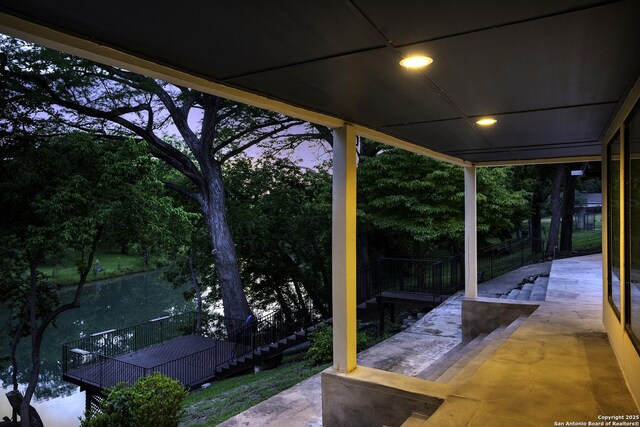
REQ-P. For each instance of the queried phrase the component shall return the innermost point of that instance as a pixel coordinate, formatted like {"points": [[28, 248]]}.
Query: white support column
{"points": [[343, 249], [470, 233]]}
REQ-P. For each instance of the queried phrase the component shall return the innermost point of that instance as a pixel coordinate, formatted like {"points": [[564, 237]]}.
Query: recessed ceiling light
{"points": [[486, 122], [416, 61]]}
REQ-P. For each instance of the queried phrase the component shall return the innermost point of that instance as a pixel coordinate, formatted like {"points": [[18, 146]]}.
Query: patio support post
{"points": [[470, 233], [344, 249]]}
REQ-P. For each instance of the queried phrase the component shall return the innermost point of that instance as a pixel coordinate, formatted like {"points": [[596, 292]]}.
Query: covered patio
{"points": [[556, 366], [556, 81]]}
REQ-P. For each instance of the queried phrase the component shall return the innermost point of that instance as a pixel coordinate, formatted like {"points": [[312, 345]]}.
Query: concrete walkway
{"points": [[408, 352], [557, 367]]}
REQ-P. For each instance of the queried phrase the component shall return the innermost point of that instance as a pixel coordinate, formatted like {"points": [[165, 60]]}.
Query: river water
{"points": [[110, 304]]}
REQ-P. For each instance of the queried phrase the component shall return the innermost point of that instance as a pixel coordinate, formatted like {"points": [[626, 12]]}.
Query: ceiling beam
{"points": [[399, 143], [78, 46], [550, 161]]}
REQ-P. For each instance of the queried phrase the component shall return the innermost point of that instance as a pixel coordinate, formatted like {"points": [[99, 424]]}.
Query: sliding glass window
{"points": [[613, 192], [632, 290]]}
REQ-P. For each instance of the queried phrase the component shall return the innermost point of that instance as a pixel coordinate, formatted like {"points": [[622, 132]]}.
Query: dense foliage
{"points": [[212, 130], [153, 401], [280, 215], [65, 195], [411, 204]]}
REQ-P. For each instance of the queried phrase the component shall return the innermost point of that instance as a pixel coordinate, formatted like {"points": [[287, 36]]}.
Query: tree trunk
{"points": [[36, 341], [556, 210], [288, 315], [224, 251], [301, 303], [29, 416], [14, 363], [198, 290], [536, 220], [568, 206]]}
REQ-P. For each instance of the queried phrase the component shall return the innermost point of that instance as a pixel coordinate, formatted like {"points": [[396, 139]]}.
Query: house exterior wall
{"points": [[626, 352]]}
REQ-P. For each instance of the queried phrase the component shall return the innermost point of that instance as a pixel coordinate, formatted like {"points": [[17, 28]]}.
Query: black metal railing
{"points": [[115, 342], [443, 276], [508, 255], [94, 359], [432, 276]]}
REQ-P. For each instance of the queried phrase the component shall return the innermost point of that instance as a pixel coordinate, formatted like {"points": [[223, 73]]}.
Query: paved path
{"points": [[408, 352], [557, 367]]}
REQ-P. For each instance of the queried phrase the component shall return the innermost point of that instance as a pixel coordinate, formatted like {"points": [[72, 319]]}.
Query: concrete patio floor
{"points": [[557, 367]]}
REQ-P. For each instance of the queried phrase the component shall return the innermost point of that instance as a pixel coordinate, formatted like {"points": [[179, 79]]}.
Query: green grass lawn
{"points": [[114, 264], [228, 398], [583, 240]]}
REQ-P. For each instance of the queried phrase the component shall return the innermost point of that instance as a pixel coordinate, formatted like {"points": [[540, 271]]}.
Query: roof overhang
{"points": [[554, 73]]}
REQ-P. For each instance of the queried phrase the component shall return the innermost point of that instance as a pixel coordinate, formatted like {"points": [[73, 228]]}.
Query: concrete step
{"points": [[514, 294], [462, 363], [539, 292], [436, 369], [525, 292], [496, 341], [433, 371], [415, 420]]}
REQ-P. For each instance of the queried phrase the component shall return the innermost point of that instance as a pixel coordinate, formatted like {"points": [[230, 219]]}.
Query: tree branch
{"points": [[184, 191], [255, 141], [164, 151]]}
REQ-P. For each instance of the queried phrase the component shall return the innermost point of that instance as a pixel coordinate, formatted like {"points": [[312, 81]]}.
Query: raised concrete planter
{"points": [[370, 397], [484, 315]]}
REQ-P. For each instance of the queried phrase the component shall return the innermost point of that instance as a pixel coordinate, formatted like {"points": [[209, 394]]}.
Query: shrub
{"points": [[153, 401], [321, 349]]}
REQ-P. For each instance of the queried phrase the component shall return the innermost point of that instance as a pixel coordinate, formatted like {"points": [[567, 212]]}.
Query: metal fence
{"points": [[508, 255], [106, 346], [116, 342], [95, 359], [434, 276], [442, 276]]}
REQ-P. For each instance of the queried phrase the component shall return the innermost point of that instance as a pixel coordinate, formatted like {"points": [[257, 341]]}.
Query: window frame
{"points": [[616, 136], [626, 292]]}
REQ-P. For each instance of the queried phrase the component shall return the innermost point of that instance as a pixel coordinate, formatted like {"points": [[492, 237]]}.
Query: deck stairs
{"points": [[251, 359]]}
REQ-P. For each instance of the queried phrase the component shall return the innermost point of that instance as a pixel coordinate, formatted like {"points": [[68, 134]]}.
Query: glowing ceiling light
{"points": [[416, 61], [486, 122]]}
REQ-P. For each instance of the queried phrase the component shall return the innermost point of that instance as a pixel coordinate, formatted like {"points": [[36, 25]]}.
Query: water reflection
{"points": [[114, 303]]}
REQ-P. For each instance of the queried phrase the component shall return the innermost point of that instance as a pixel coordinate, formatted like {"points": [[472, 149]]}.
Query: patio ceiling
{"points": [[552, 72]]}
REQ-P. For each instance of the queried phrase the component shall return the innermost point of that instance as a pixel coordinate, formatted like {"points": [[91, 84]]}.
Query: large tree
{"points": [[281, 218], [413, 204], [555, 201], [568, 208], [211, 130], [59, 195]]}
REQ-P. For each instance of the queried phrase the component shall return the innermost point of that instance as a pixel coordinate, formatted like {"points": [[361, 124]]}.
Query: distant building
{"points": [[587, 207]]}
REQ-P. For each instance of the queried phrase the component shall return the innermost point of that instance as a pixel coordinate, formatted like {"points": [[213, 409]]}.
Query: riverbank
{"points": [[106, 304], [108, 264]]}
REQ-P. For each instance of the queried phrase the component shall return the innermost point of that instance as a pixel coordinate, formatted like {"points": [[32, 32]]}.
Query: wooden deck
{"points": [[190, 359], [399, 297]]}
